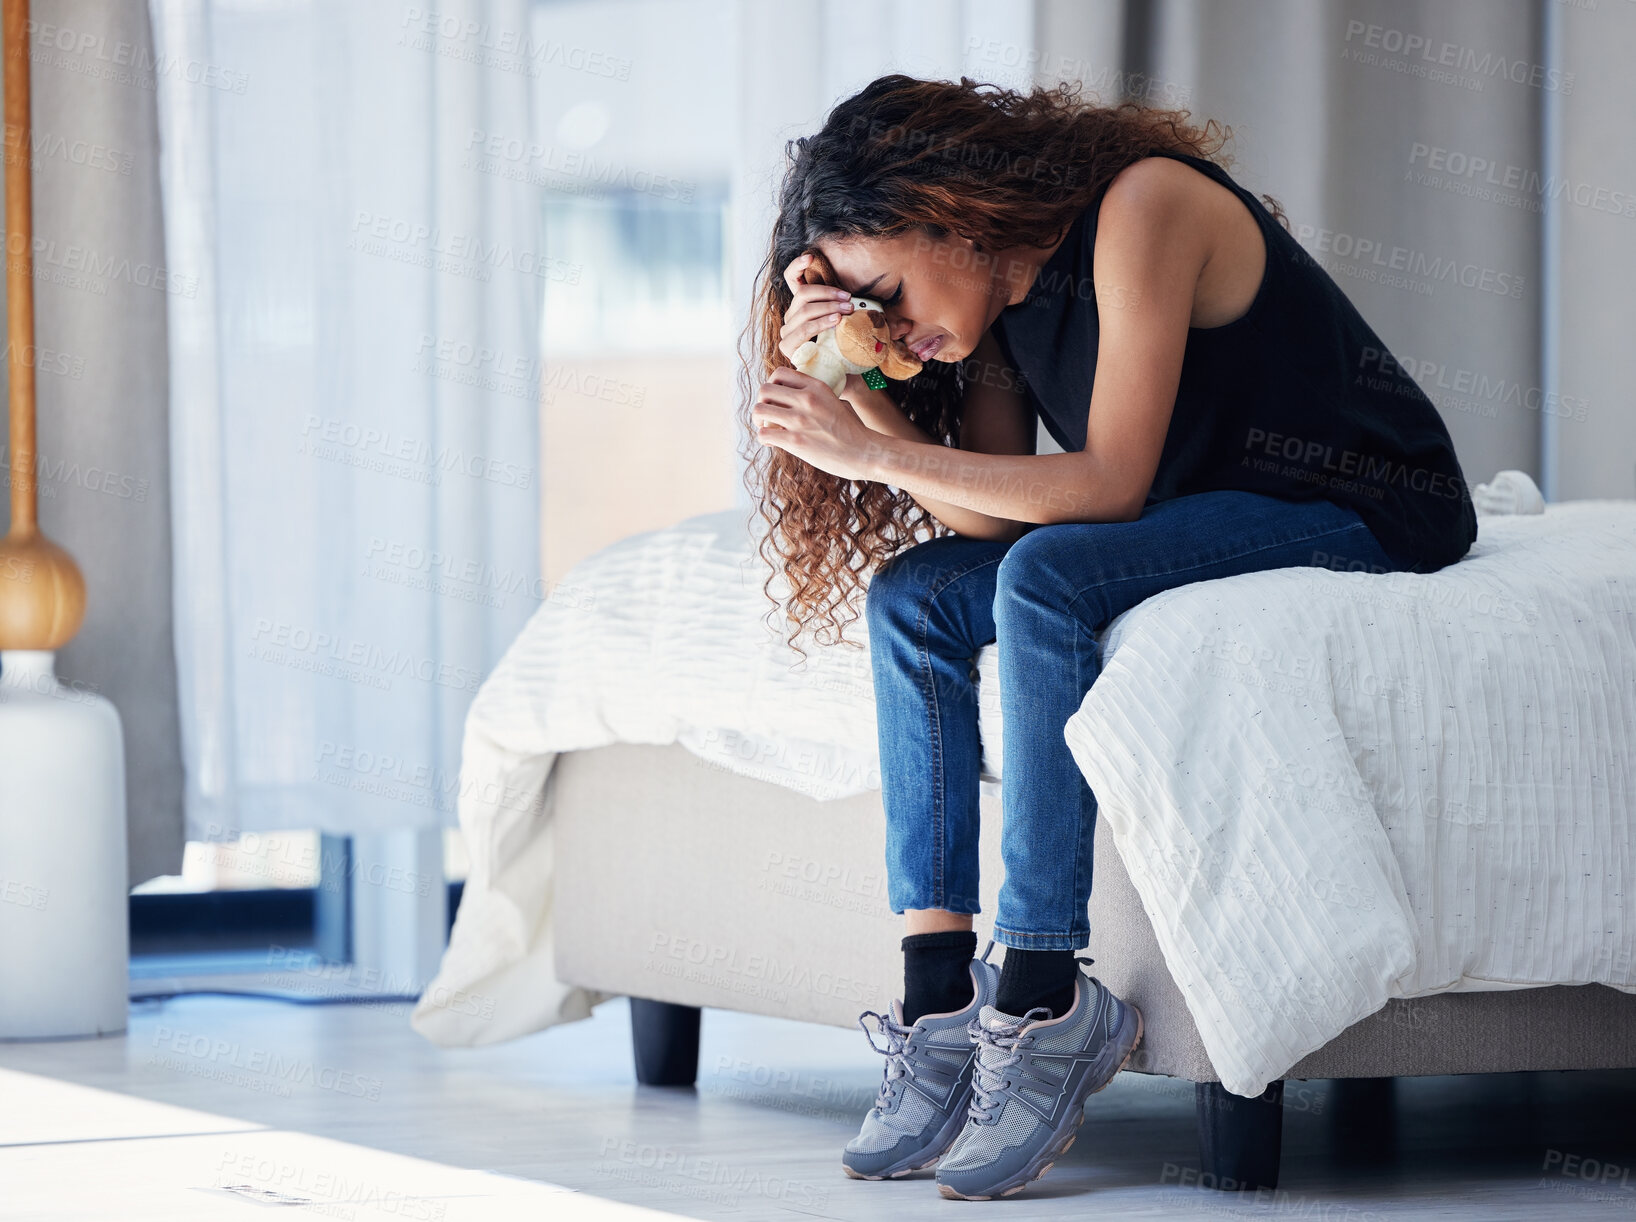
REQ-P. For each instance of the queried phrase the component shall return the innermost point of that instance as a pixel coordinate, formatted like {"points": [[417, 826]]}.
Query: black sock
{"points": [[937, 972], [1030, 978]]}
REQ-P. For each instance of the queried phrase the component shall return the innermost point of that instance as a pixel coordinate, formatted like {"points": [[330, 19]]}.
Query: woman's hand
{"points": [[815, 309], [801, 415]]}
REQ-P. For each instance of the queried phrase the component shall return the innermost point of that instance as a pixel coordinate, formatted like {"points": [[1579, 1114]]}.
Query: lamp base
{"points": [[64, 895]]}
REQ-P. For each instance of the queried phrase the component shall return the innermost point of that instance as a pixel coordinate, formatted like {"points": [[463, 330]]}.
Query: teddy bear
{"points": [[859, 343]]}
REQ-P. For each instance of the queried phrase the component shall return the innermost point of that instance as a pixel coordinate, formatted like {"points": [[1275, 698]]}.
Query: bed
{"points": [[1351, 825]]}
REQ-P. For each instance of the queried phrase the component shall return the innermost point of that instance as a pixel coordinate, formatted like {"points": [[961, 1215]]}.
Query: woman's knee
{"points": [[910, 579], [894, 586], [1049, 564]]}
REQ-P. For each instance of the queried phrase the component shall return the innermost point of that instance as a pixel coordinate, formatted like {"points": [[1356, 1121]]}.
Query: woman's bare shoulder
{"points": [[1163, 216], [1161, 188]]}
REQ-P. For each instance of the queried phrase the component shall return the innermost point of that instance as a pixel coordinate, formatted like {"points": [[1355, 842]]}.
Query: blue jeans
{"points": [[1045, 599]]}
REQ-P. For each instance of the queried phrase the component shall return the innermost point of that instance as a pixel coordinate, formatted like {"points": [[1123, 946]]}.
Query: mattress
{"points": [[1328, 788], [1332, 789]]}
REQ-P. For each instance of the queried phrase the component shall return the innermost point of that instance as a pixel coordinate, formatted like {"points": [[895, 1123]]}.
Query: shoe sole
{"points": [[892, 1175], [950, 1131], [1055, 1149]]}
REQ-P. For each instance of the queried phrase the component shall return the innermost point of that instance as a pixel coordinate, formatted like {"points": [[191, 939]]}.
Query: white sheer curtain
{"points": [[787, 65], [354, 391]]}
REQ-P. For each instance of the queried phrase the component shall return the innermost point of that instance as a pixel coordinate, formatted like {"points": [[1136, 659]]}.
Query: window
{"points": [[638, 343]]}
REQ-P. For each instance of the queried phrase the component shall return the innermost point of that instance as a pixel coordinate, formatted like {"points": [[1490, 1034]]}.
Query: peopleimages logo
{"points": [[1490, 179], [532, 161], [1403, 266], [249, 1063], [1439, 60], [1321, 456], [754, 973], [1484, 389], [466, 37], [124, 62]]}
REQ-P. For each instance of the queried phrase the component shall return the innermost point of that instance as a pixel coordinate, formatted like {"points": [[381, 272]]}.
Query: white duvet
{"points": [[1329, 789]]}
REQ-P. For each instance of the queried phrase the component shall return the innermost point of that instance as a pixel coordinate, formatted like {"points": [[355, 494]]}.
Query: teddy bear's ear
{"points": [[818, 271]]}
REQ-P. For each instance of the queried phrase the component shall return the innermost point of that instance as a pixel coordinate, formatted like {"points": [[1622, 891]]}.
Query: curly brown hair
{"points": [[993, 164]]}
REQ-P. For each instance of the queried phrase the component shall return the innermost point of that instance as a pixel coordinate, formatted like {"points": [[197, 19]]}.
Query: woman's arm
{"points": [[1155, 235], [1150, 251], [995, 419]]}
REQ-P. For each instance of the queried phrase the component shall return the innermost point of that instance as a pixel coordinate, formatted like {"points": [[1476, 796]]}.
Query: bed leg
{"points": [[1363, 1120], [1239, 1138], [665, 1041]]}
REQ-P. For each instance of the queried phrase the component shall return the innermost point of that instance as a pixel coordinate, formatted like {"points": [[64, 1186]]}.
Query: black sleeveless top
{"points": [[1298, 398]]}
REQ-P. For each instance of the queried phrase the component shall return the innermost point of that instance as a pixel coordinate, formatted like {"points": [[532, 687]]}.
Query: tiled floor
{"points": [[216, 1108]]}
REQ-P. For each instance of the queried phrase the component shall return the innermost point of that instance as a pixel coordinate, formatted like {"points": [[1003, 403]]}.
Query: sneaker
{"points": [[926, 1086], [1029, 1087]]}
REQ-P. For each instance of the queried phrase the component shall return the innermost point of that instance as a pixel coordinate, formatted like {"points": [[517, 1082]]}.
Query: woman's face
{"points": [[939, 294]]}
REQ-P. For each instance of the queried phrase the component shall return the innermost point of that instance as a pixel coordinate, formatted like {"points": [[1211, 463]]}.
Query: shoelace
{"points": [[989, 1085], [895, 1052]]}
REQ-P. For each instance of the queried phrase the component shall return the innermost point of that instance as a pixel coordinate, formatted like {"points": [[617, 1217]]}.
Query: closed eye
{"points": [[897, 295]]}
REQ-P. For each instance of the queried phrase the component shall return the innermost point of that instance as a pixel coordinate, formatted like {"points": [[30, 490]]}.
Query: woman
{"points": [[1222, 408]]}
